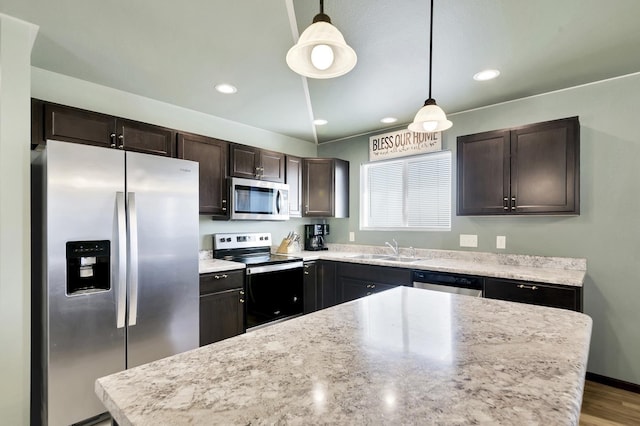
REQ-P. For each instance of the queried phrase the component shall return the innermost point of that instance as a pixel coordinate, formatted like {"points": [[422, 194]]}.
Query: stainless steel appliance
{"points": [[258, 200], [114, 270], [314, 236], [273, 284], [448, 283]]}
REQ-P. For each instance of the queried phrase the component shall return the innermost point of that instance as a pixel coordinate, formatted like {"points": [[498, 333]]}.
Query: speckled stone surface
{"points": [[218, 265], [404, 356], [551, 270]]}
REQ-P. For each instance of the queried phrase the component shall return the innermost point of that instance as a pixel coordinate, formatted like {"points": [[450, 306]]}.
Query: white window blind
{"points": [[410, 193]]}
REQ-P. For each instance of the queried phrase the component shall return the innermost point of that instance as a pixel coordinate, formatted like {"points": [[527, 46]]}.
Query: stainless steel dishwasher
{"points": [[448, 283]]}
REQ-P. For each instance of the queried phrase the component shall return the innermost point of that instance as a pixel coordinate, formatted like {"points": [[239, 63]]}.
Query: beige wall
{"points": [[16, 41]]}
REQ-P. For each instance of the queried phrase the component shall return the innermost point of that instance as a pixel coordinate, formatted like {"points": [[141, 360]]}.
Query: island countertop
{"points": [[403, 356]]}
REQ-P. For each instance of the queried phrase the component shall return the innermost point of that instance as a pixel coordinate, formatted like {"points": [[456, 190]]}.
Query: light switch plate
{"points": [[468, 240], [501, 242], [352, 236]]}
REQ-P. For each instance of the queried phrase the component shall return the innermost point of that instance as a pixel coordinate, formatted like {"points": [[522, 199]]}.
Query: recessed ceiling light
{"points": [[225, 88], [387, 120], [320, 122], [486, 75]]}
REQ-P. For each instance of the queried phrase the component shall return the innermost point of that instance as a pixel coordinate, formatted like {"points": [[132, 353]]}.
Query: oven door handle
{"points": [[273, 268]]}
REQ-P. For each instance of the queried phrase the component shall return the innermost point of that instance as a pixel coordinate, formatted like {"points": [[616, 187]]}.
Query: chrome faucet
{"points": [[393, 247]]}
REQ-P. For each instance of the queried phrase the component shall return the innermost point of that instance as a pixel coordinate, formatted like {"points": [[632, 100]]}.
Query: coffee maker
{"points": [[314, 236]]}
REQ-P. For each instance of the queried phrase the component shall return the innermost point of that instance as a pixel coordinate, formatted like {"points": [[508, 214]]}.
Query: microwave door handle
{"points": [[279, 202]]}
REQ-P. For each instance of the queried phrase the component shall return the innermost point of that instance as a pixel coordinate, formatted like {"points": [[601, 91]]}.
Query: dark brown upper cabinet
{"points": [[91, 128], [293, 178], [37, 123], [254, 163], [529, 170], [213, 157], [325, 187]]}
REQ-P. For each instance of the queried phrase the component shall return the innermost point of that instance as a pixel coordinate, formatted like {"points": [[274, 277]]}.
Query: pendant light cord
{"points": [[430, 46], [321, 6]]}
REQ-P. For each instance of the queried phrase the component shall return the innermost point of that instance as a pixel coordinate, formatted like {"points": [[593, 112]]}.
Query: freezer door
{"points": [[83, 342], [162, 197]]}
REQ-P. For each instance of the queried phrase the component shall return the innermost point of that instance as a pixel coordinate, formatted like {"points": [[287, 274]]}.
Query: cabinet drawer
{"points": [[354, 289], [221, 281], [555, 296]]}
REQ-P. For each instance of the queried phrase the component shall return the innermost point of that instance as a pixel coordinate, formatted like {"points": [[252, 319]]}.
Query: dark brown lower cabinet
{"points": [[352, 289], [221, 306], [310, 291], [555, 296], [319, 289], [357, 280]]}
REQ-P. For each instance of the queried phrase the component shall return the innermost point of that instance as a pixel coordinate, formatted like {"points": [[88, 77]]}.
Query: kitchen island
{"points": [[403, 356]]}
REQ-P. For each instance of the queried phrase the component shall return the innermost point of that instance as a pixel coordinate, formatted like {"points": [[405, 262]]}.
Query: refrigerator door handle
{"points": [[133, 258], [121, 289]]}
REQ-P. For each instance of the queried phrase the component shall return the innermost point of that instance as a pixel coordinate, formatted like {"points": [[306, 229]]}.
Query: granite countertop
{"points": [[206, 266], [403, 356], [543, 269], [551, 270]]}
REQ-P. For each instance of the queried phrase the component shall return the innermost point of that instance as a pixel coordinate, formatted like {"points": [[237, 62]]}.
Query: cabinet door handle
{"points": [[112, 137], [121, 139], [513, 203], [241, 300], [505, 201], [220, 277], [242, 292], [306, 272], [528, 287]]}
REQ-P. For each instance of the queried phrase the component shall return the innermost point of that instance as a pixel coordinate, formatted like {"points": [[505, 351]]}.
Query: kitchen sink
{"points": [[371, 256], [402, 259], [386, 257]]}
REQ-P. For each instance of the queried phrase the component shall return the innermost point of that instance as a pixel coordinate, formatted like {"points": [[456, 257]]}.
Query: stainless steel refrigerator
{"points": [[114, 270]]}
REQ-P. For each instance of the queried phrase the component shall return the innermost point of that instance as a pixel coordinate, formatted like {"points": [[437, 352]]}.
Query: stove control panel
{"points": [[241, 240]]}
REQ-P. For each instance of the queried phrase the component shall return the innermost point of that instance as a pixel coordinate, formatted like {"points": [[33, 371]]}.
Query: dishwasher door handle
{"points": [[451, 289]]}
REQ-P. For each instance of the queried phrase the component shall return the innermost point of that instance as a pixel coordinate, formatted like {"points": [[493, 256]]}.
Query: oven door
{"points": [[274, 292]]}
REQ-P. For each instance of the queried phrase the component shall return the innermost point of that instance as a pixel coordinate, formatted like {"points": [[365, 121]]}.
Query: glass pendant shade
{"points": [[316, 63], [430, 118]]}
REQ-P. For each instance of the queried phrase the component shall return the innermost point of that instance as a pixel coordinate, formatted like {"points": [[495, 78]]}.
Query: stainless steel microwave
{"points": [[258, 200]]}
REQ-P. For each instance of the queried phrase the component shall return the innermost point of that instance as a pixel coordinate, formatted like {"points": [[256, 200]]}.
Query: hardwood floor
{"points": [[604, 405]]}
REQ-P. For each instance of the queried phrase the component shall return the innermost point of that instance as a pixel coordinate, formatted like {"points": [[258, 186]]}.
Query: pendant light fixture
{"points": [[321, 51], [430, 118]]}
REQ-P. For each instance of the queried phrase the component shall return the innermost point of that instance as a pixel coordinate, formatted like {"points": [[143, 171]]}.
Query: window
{"points": [[411, 193]]}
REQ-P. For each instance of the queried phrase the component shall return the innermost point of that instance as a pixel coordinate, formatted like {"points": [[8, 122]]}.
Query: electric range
{"points": [[273, 282]]}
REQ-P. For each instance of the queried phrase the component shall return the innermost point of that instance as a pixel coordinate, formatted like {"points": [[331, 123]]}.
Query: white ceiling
{"points": [[176, 51]]}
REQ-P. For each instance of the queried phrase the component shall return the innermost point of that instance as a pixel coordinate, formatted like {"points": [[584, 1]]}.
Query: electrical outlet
{"points": [[467, 240], [352, 236], [501, 242]]}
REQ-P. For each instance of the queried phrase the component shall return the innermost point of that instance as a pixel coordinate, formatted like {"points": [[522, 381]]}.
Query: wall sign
{"points": [[402, 143]]}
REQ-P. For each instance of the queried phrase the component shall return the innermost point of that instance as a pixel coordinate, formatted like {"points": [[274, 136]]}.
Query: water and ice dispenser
{"points": [[88, 266]]}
